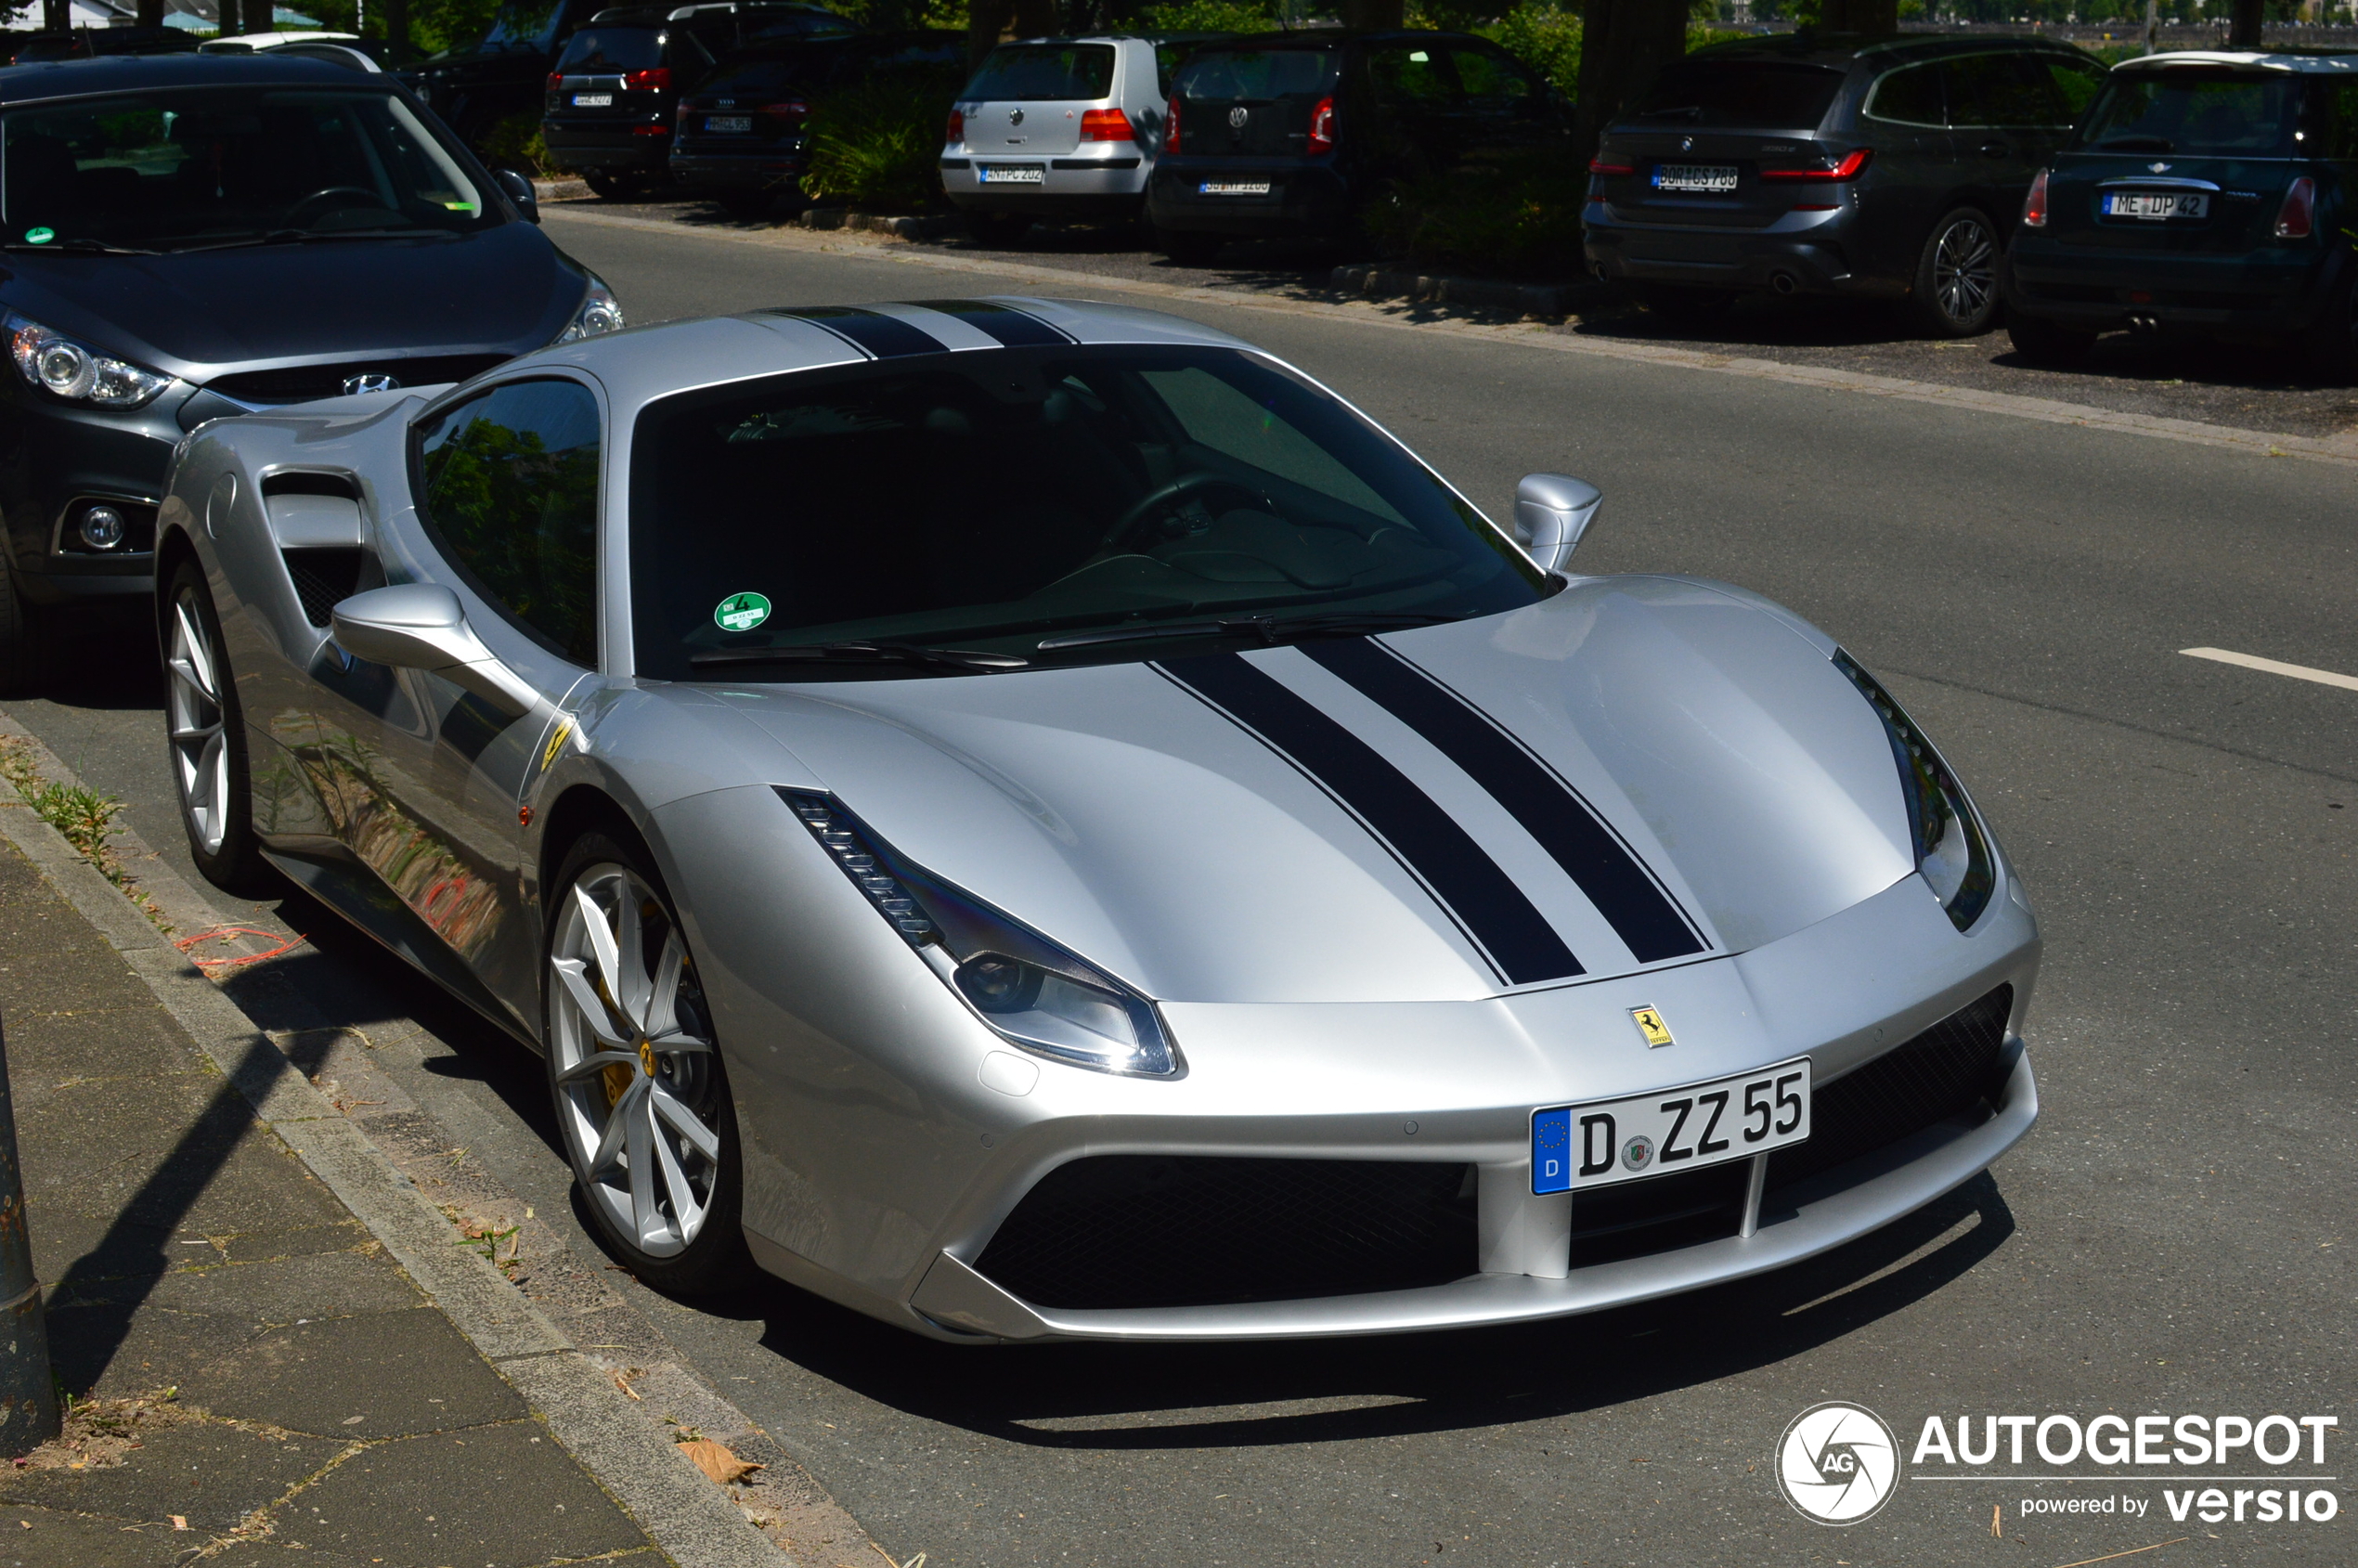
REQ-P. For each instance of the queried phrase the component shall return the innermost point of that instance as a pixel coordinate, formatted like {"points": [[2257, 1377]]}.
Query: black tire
{"points": [[1190, 249], [2045, 344], [1673, 302], [1956, 292], [609, 188], [24, 648], [997, 230], [683, 1258], [205, 739], [2332, 348]]}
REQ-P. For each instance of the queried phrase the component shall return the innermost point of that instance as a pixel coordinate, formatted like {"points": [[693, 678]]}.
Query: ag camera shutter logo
{"points": [[1837, 1463]]}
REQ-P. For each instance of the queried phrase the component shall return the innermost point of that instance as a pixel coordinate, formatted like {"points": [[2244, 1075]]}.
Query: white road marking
{"points": [[2274, 667]]}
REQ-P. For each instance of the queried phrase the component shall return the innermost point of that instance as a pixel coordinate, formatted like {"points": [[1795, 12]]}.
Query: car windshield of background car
{"points": [[2193, 113], [1043, 73], [1257, 75], [610, 51], [215, 167], [1765, 94], [527, 25], [785, 68], [1022, 493]]}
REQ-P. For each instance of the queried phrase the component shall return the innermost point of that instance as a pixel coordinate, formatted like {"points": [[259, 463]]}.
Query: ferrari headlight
{"points": [[58, 365], [599, 315], [1952, 850], [1031, 992]]}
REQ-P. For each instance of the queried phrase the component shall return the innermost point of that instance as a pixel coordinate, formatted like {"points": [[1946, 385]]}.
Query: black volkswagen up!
{"points": [[2203, 194], [1820, 164]]}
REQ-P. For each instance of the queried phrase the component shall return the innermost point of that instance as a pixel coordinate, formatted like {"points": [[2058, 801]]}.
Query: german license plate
{"points": [[593, 100], [2157, 204], [728, 125], [1684, 1129], [1019, 174], [1233, 188], [1715, 178]]}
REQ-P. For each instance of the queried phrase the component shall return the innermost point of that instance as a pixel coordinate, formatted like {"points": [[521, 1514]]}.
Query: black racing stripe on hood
{"points": [[1012, 328], [1468, 884], [1625, 892], [886, 337]]}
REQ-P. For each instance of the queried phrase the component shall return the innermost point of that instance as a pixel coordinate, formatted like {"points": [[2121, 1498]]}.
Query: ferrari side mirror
{"points": [[421, 625], [1552, 512]]}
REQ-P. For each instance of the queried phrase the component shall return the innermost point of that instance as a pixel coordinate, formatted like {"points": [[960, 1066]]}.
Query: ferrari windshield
{"points": [[1037, 506], [213, 167]]}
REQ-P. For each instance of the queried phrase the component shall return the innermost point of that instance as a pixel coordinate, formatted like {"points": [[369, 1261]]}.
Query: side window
{"points": [[1911, 96], [511, 494], [2076, 83], [2000, 91], [1410, 78], [1492, 80]]}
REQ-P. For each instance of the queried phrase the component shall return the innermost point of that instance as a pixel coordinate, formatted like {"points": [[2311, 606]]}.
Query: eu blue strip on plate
{"points": [[1551, 1151]]}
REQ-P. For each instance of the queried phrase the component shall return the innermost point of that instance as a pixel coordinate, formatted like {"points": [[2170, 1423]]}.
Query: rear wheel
{"points": [[1673, 303], [641, 1097], [2046, 344], [997, 230], [1190, 249], [207, 736], [609, 187], [1957, 276]]}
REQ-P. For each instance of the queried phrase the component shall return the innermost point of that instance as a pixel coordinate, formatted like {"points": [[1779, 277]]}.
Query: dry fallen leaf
{"points": [[715, 1461], [179, 1521]]}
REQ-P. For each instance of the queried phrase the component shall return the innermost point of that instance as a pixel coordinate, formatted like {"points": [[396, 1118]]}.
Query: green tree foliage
{"points": [[1210, 16], [1546, 38], [524, 521]]}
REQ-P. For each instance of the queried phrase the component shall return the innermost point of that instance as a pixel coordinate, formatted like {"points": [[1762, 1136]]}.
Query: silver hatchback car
{"points": [[1060, 128]]}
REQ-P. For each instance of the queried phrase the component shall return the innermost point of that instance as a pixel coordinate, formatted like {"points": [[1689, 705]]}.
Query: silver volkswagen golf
{"points": [[1037, 820]]}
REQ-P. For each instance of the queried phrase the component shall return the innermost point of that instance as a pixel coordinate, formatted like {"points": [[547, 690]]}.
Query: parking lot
{"points": [[2173, 1238]]}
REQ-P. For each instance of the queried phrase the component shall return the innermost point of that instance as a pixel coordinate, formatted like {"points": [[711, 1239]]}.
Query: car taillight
{"points": [[956, 130], [1850, 168], [1171, 127], [795, 108], [655, 81], [2297, 218], [1105, 125], [2034, 206], [556, 79], [1322, 127], [1599, 166]]}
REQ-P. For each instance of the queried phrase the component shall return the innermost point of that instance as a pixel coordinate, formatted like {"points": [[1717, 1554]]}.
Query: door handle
{"points": [[1994, 150]]}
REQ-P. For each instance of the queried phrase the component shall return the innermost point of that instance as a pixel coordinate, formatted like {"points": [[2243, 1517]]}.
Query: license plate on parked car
{"points": [[1015, 175], [2157, 204], [725, 124], [1233, 188], [593, 100], [1712, 178], [1672, 1129]]}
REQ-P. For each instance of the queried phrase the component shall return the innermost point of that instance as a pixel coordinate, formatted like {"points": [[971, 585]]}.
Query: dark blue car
{"points": [[191, 237], [2203, 194]]}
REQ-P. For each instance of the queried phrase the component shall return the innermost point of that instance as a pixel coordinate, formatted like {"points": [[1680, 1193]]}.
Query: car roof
{"points": [[2250, 60], [1331, 38], [129, 73], [1809, 48], [265, 40]]}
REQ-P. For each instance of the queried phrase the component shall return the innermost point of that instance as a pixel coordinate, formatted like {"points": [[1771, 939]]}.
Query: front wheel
{"points": [[207, 736], [22, 648], [1957, 276], [2046, 344], [641, 1097]]}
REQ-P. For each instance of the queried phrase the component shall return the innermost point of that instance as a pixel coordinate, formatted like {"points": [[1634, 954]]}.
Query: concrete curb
{"points": [[691, 1519], [1545, 301], [933, 226]]}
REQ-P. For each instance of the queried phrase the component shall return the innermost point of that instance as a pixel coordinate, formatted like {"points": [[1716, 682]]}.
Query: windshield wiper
{"points": [[1272, 629], [82, 248], [311, 237], [965, 660]]}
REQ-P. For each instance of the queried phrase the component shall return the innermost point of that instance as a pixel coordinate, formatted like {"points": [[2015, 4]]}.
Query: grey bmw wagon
{"points": [[1804, 164]]}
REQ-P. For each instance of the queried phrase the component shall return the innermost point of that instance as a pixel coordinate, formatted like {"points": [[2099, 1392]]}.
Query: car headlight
{"points": [[59, 365], [1952, 850], [599, 315], [1031, 992]]}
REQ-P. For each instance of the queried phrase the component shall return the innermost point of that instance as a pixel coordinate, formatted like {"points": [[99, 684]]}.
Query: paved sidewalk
{"points": [[255, 1379]]}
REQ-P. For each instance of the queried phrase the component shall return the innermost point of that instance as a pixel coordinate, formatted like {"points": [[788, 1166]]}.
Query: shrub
{"points": [[878, 144], [1212, 16], [1544, 38], [1518, 214], [515, 143]]}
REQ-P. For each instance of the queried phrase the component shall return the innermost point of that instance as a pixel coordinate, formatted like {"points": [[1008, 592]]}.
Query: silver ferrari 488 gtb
{"points": [[1037, 820]]}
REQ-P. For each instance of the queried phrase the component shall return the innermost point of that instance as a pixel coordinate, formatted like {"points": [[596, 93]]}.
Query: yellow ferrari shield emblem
{"points": [[1650, 1024]]}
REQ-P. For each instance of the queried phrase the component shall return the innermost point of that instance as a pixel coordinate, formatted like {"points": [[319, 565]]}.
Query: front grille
{"points": [[1125, 1230], [304, 383], [323, 578], [1658, 1213], [1944, 1071]]}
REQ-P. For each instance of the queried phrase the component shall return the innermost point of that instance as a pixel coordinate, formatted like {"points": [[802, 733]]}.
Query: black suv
{"points": [[1820, 164], [2203, 194], [1292, 133]]}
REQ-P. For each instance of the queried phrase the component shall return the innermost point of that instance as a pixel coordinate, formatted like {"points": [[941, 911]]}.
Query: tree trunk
{"points": [[55, 15], [1622, 44], [230, 27], [1872, 19], [1374, 15], [150, 13], [1035, 18], [397, 14], [985, 20], [2245, 32]]}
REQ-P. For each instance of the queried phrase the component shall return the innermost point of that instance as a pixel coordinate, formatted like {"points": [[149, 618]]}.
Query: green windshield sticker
{"points": [[39, 236], [741, 612]]}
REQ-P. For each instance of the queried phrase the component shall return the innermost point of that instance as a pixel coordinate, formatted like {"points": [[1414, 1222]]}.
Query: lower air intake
{"points": [[1123, 1230], [1948, 1070]]}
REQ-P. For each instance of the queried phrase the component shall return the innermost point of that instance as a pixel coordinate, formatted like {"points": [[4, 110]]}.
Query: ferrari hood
{"points": [[1639, 771]]}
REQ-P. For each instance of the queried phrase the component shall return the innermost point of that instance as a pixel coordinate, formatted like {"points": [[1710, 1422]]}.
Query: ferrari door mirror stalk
{"points": [[421, 625], [1552, 512]]}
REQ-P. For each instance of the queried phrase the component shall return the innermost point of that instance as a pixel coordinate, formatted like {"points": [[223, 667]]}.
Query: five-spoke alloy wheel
{"points": [[207, 737]]}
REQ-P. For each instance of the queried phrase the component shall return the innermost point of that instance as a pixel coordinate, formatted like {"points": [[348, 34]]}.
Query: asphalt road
{"points": [[2174, 1237]]}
